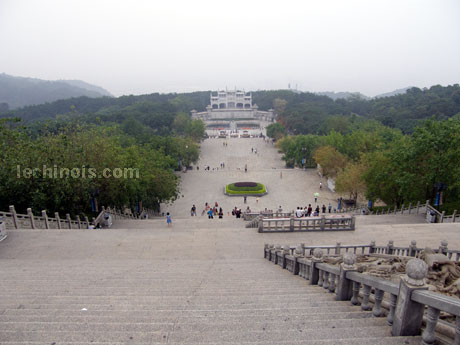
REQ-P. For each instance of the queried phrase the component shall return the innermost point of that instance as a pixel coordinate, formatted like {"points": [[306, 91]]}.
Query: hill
{"points": [[394, 93], [345, 95], [19, 92]]}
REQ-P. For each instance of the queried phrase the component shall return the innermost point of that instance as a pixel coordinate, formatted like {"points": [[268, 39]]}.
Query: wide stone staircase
{"points": [[199, 282]]}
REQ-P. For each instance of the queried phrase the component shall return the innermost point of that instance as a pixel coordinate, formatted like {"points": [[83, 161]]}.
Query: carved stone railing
{"points": [[432, 215], [411, 250], [13, 220], [404, 304], [323, 223]]}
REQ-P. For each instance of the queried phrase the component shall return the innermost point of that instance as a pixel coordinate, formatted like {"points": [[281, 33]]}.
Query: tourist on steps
{"points": [[168, 220]]}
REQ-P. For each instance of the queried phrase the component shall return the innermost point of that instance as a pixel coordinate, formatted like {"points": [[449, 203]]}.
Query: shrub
{"points": [[245, 188]]}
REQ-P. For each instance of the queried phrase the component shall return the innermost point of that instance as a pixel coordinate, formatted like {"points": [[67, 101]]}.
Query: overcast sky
{"points": [[136, 47]]}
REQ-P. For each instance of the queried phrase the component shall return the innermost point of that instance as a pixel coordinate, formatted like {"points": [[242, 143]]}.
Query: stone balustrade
{"points": [[323, 223], [404, 304], [14, 220]]}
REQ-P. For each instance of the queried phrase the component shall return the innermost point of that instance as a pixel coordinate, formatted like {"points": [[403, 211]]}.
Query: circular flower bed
{"points": [[245, 188]]}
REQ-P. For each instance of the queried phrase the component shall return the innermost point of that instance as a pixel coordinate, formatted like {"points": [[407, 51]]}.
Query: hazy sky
{"points": [[135, 47]]}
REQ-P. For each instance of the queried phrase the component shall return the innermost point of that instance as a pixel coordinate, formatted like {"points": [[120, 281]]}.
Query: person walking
{"points": [[193, 211], [324, 208], [329, 208], [168, 220]]}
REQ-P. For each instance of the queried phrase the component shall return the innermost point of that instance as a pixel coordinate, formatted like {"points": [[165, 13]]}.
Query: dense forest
{"points": [[121, 156]]}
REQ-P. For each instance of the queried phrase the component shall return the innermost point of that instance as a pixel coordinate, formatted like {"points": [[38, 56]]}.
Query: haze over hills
{"points": [[19, 91]]}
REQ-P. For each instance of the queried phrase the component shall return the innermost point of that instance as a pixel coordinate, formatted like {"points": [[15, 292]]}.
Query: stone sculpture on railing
{"points": [[408, 297]]}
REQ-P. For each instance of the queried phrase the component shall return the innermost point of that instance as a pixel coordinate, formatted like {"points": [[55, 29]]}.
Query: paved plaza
{"points": [[295, 188]]}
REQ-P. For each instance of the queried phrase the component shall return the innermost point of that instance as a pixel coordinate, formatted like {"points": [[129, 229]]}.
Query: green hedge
{"points": [[232, 189]]}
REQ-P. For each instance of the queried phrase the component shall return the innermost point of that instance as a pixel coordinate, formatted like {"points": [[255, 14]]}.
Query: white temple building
{"points": [[232, 105]]}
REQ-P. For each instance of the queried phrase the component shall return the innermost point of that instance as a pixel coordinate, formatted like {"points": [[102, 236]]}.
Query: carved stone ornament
{"points": [[416, 271]]}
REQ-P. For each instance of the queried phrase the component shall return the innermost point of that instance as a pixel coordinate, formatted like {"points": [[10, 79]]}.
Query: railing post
{"points": [[412, 248], [353, 222], [68, 220], [408, 316], [31, 217], [298, 253], [260, 225], [291, 224], [410, 207], [390, 247], [286, 251], [395, 210], [443, 247], [337, 248], [454, 215], [87, 222], [58, 219], [15, 216], [314, 272], [344, 285], [372, 247], [418, 206], [443, 214], [45, 218], [79, 221], [323, 222], [402, 208]]}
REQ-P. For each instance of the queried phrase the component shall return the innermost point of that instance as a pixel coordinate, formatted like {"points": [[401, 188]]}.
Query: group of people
{"points": [[309, 211], [210, 211]]}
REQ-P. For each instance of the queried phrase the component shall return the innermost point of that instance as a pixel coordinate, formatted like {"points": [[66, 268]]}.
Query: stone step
{"points": [[281, 312], [350, 341], [128, 326], [236, 336], [146, 316], [128, 305]]}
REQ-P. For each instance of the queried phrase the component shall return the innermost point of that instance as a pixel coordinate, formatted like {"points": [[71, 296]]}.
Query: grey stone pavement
{"points": [[295, 188]]}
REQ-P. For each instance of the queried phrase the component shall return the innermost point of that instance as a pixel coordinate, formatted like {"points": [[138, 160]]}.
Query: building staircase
{"points": [[198, 282]]}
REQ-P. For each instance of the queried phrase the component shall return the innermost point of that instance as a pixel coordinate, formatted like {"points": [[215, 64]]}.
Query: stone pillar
{"points": [[345, 286], [418, 206], [45, 218], [443, 247], [68, 220], [390, 246], [322, 225], [410, 207], [408, 316], [31, 217], [337, 248], [58, 219], [412, 248], [79, 222], [297, 255], [87, 222], [291, 224], [372, 247], [314, 272], [454, 215], [15, 217], [286, 252]]}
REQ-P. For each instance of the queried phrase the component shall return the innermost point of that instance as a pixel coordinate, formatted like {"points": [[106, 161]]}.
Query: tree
{"points": [[330, 160], [279, 105], [276, 131], [350, 180]]}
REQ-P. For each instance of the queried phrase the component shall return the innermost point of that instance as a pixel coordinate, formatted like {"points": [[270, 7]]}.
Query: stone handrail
{"points": [[323, 223], [13, 220], [406, 302], [412, 250], [401, 210]]}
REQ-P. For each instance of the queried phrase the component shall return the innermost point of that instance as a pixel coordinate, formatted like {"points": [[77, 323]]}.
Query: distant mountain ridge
{"points": [[394, 93], [19, 91], [345, 95]]}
